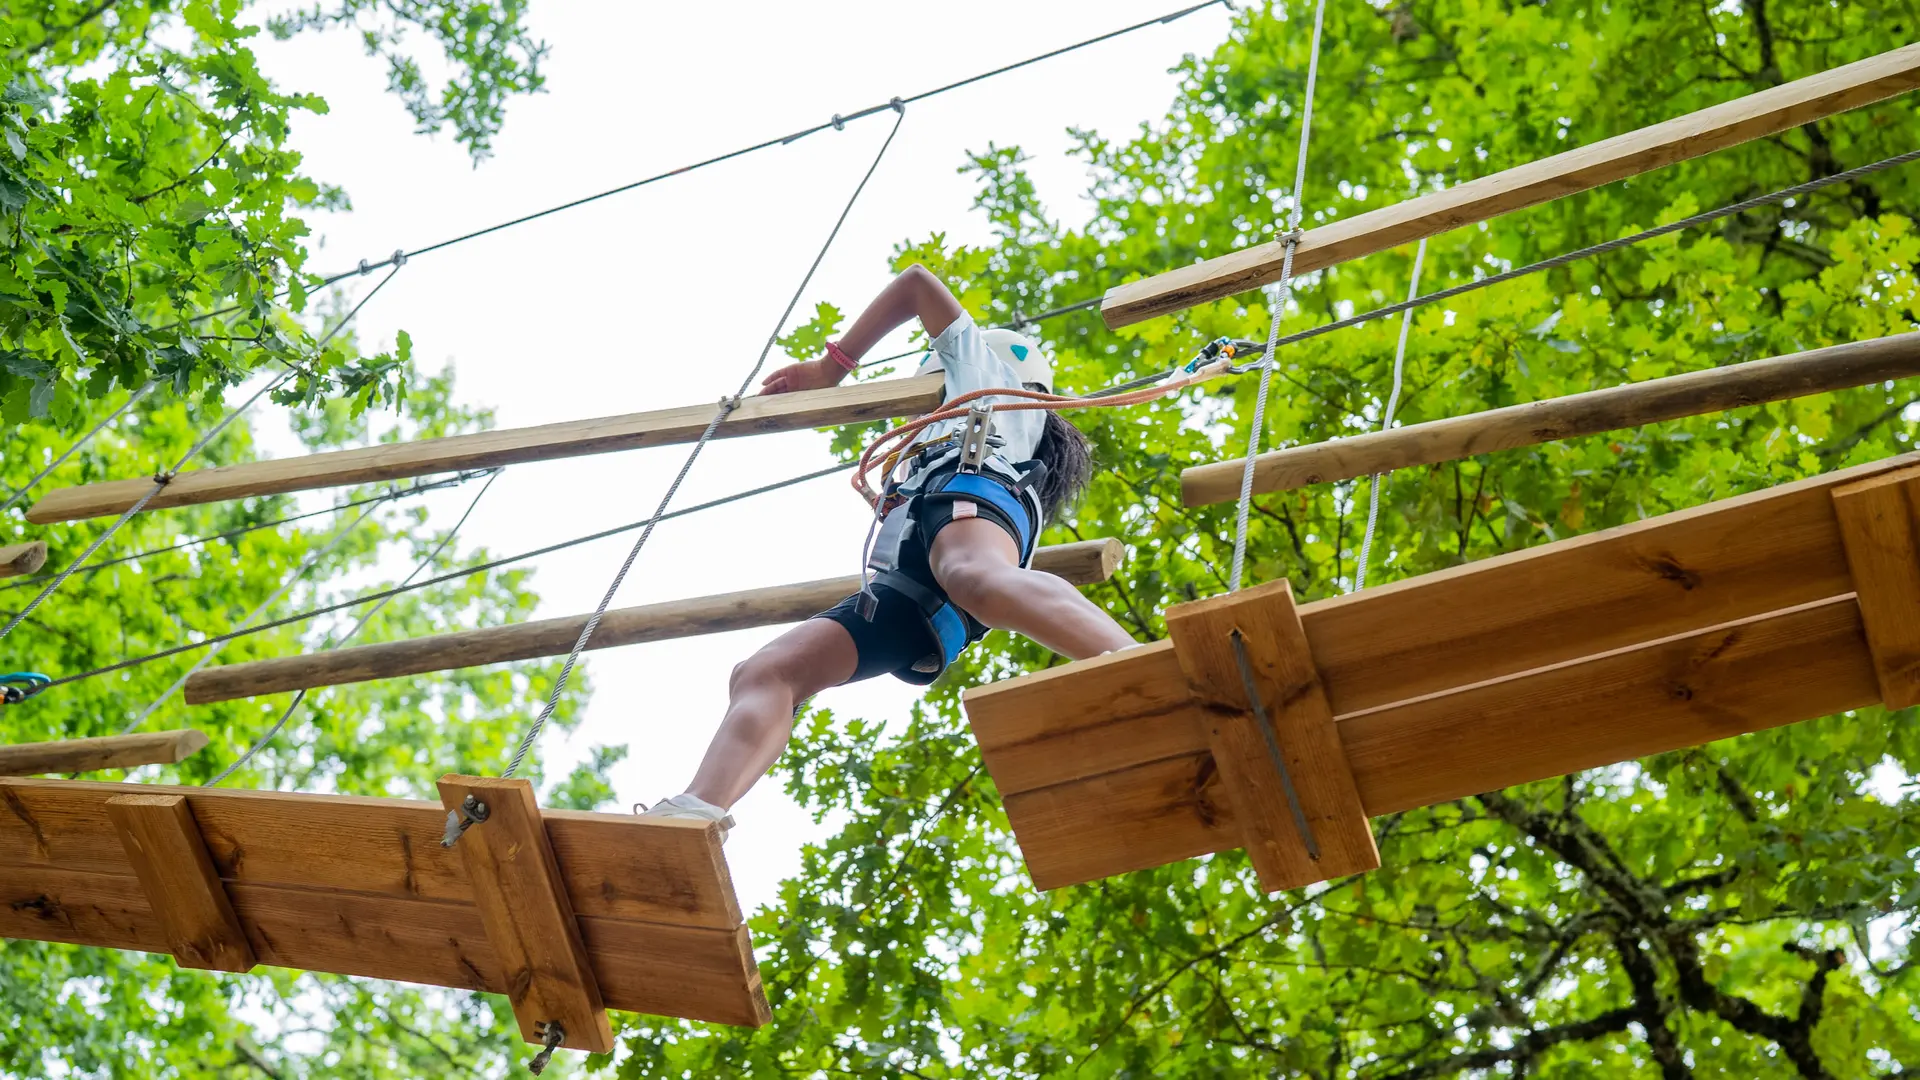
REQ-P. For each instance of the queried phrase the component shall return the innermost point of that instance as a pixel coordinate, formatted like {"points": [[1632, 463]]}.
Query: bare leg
{"points": [[977, 564], [764, 690]]}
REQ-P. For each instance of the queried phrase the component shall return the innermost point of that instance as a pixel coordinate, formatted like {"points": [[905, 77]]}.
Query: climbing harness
{"points": [[18, 686], [964, 476]]}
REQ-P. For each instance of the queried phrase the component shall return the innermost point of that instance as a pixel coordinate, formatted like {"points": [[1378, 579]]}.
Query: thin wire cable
{"points": [[481, 568], [1558, 261], [160, 482], [1282, 296], [306, 566], [1386, 419], [202, 541], [838, 122], [132, 400], [726, 408], [301, 695]]}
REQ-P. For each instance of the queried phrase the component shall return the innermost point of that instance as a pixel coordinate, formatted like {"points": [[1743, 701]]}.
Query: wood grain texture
{"points": [[1880, 526], [487, 449], [1338, 841], [183, 889], [1082, 563], [1456, 438], [362, 887], [1682, 691], [20, 559], [522, 901], [103, 752], [1767, 112], [1711, 564]]}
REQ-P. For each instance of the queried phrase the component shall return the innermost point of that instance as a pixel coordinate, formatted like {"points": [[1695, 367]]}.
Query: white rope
{"points": [[1386, 419], [1282, 296], [727, 405]]}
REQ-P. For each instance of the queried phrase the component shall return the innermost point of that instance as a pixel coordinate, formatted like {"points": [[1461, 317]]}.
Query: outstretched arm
{"points": [[915, 294]]}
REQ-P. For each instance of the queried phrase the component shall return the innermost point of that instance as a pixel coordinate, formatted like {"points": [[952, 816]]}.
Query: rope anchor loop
{"points": [[551, 1036], [472, 812]]}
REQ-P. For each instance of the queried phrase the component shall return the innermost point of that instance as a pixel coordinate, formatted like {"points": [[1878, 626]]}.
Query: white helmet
{"points": [[1016, 350]]}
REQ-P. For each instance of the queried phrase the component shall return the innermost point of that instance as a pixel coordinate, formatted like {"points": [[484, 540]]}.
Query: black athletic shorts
{"points": [[898, 637]]}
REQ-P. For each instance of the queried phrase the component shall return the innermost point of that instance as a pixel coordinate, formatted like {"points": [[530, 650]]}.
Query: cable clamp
{"points": [[399, 258], [1293, 238], [551, 1036], [164, 477], [471, 812], [839, 122], [728, 404], [897, 106], [365, 268]]}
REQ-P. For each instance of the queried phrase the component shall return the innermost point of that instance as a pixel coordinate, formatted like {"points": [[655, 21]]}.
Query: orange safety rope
{"points": [[1033, 399]]}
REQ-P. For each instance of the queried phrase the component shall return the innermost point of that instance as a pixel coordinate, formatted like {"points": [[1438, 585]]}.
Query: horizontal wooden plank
{"points": [[1696, 134], [1778, 668], [20, 559], [1084, 562], [1711, 564], [663, 870], [1693, 393], [103, 752], [857, 403], [704, 974]]}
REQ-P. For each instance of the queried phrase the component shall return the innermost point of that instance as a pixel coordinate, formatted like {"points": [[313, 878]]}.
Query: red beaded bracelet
{"points": [[840, 356]]}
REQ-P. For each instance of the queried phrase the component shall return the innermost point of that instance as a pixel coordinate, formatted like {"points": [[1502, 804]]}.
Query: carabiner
{"points": [[18, 686]]}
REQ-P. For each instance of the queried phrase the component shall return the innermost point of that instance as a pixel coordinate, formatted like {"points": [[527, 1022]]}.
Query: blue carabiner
{"points": [[1209, 351], [18, 686]]}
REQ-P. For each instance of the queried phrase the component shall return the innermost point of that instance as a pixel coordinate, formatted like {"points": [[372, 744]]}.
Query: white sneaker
{"points": [[691, 806]]}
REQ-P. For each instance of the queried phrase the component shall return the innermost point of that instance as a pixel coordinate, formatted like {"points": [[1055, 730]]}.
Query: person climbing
{"points": [[949, 560]]}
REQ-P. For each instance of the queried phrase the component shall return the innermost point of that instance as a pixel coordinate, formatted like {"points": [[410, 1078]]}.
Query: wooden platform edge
{"points": [[1880, 527], [1681, 138]]}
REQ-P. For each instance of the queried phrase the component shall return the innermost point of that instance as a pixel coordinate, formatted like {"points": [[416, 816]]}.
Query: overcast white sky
{"points": [[663, 296]]}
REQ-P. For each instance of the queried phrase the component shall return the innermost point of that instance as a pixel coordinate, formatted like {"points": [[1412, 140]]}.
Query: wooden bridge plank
{"points": [[1696, 134], [1456, 438], [1880, 524], [1682, 691], [522, 901], [1336, 841], [487, 449], [662, 870], [1082, 563], [17, 560], [170, 860], [102, 752]]}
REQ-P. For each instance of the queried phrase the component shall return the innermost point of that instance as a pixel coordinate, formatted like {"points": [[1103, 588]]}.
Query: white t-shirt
{"points": [[970, 365]]}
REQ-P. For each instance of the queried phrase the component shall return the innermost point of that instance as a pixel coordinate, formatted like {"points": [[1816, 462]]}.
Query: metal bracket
{"points": [[472, 812], [975, 436], [1273, 745], [551, 1036]]}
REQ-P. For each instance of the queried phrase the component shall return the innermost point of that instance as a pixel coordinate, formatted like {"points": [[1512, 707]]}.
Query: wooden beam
{"points": [[1082, 563], [1768, 112], [1664, 695], [522, 902], [859, 402], [360, 886], [17, 560], [169, 858], [102, 752], [1817, 371], [1880, 525], [1279, 757]]}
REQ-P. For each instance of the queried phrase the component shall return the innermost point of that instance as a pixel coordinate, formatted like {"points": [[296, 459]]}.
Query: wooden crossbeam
{"points": [[1082, 563], [523, 904], [1696, 134], [1880, 526], [360, 886], [1279, 757], [17, 560], [1816, 371], [103, 752], [170, 859], [1709, 622], [859, 402]]}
